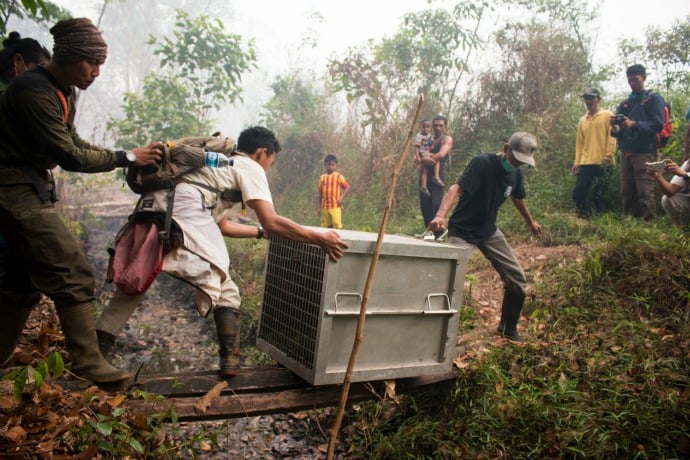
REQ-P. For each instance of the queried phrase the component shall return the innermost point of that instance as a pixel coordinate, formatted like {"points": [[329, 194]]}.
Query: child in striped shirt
{"points": [[332, 189]]}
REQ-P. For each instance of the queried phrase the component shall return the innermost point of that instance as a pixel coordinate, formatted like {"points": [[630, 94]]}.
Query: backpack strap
{"points": [[65, 107], [225, 194], [164, 235]]}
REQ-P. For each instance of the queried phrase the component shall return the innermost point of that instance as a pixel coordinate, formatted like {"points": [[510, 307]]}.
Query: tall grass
{"points": [[605, 373]]}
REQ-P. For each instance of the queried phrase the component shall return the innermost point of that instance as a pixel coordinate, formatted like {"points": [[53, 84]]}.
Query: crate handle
{"points": [[347, 294], [428, 302]]}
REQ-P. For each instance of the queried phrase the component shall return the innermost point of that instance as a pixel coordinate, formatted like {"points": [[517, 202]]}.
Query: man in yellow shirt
{"points": [[594, 155]]}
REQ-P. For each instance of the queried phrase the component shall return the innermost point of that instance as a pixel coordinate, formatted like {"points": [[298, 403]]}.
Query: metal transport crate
{"points": [[311, 306]]}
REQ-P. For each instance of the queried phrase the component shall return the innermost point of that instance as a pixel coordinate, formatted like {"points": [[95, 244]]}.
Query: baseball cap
{"points": [[523, 146], [592, 92]]}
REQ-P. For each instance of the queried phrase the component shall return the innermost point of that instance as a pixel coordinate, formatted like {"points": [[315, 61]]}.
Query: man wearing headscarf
{"points": [[36, 135]]}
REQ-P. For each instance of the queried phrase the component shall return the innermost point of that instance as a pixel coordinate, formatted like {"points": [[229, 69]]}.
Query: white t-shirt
{"points": [[203, 259], [677, 180], [245, 175]]}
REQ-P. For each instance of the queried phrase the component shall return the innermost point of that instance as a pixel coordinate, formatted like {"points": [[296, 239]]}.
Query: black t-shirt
{"points": [[485, 186]]}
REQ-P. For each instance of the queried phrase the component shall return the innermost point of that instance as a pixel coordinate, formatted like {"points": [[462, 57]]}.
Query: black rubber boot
{"points": [[106, 342], [79, 327], [510, 315], [228, 328], [11, 328]]}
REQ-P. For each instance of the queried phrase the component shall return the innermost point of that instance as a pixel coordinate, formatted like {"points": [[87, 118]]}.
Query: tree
{"points": [[541, 67], [39, 11], [302, 116], [666, 55], [428, 54], [201, 69], [665, 52]]}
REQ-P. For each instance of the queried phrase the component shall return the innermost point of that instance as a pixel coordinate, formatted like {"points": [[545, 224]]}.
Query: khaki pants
{"points": [[502, 258], [677, 208], [41, 254]]}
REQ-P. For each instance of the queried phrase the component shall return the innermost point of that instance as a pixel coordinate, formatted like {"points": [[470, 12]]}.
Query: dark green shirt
{"points": [[33, 130]]}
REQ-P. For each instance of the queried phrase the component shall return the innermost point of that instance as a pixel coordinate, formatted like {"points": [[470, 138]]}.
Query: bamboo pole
{"points": [[359, 336]]}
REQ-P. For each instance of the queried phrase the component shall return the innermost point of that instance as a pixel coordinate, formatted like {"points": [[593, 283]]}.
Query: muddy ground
{"points": [[166, 334]]}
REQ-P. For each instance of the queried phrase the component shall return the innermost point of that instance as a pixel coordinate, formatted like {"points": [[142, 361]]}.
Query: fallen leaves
{"points": [[205, 401]]}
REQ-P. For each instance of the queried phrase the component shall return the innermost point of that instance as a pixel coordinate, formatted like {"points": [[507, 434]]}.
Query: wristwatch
{"points": [[260, 233], [131, 156]]}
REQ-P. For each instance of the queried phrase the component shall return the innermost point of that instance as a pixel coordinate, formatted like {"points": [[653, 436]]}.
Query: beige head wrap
{"points": [[76, 40]]}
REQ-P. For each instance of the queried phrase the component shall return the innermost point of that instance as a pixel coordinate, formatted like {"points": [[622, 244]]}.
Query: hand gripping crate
{"points": [[311, 306]]}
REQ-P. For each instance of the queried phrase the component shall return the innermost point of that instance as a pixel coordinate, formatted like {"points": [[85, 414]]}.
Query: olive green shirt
{"points": [[33, 130]]}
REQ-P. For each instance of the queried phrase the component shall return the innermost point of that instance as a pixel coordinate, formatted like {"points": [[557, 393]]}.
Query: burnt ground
{"points": [[166, 334]]}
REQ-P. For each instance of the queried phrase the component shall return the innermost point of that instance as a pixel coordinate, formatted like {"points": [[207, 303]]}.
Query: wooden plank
{"points": [[234, 405], [245, 405], [254, 379], [255, 391]]}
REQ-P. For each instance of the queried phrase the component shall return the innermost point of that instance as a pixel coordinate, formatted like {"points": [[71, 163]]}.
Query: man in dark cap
{"points": [[36, 135], [594, 155], [638, 120], [488, 180]]}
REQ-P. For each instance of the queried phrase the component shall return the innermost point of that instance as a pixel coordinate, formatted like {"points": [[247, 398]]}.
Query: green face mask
{"points": [[507, 167]]}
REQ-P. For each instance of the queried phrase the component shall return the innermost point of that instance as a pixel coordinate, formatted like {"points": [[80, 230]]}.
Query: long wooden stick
{"points": [[359, 337]]}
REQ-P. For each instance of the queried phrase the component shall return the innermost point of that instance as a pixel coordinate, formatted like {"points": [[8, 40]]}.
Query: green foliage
{"points": [[53, 368], [665, 54], [116, 432], [247, 258], [201, 68], [209, 60], [160, 102], [301, 116], [423, 56], [40, 11], [605, 374]]}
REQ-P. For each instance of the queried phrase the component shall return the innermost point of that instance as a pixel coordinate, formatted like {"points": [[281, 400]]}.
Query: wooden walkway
{"points": [[255, 391]]}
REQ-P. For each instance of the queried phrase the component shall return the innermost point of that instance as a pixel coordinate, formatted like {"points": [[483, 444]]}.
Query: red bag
{"points": [[138, 257]]}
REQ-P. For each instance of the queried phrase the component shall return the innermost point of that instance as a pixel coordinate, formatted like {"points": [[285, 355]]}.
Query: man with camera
{"points": [[638, 120], [594, 154]]}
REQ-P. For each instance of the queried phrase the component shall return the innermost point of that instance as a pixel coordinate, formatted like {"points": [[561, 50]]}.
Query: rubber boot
{"points": [[510, 314], [106, 342], [79, 327], [228, 328], [11, 328]]}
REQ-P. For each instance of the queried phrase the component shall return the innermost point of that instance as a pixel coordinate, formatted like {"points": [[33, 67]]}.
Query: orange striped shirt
{"points": [[329, 188]]}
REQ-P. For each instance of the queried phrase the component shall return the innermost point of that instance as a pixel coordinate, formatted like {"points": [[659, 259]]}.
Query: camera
{"points": [[658, 166], [619, 119]]}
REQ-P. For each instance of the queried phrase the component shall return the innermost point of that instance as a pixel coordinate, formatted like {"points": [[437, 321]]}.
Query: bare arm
{"points": [[449, 200], [667, 187], [276, 224], [344, 191], [444, 151], [237, 230], [521, 206]]}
